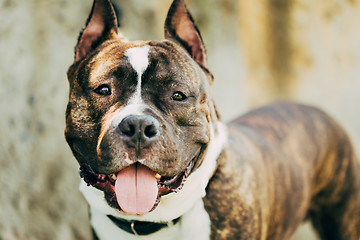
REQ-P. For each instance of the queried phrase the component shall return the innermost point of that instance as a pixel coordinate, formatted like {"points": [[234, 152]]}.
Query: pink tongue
{"points": [[136, 189]]}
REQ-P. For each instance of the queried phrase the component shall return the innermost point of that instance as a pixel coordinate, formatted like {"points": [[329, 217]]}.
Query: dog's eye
{"points": [[178, 96], [103, 90]]}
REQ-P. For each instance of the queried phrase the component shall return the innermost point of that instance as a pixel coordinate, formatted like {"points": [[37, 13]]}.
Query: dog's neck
{"points": [[139, 228]]}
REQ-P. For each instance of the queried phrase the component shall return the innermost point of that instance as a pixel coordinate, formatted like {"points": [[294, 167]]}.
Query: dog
{"points": [[157, 162]]}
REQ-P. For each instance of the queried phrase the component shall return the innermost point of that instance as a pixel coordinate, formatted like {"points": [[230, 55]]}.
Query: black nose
{"points": [[139, 130]]}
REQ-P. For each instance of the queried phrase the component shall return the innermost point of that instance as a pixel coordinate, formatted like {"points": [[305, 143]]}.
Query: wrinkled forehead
{"points": [[159, 58], [114, 54]]}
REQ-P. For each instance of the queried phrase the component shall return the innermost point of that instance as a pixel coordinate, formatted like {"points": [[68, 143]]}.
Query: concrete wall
{"points": [[304, 50], [38, 175], [259, 51]]}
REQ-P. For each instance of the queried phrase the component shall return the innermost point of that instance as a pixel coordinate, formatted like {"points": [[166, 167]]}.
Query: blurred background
{"points": [[258, 50]]}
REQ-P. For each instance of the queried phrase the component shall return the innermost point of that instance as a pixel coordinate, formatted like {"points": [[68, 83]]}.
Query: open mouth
{"points": [[119, 189]]}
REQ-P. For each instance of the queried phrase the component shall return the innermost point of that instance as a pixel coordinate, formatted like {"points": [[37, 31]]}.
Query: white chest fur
{"points": [[194, 225]]}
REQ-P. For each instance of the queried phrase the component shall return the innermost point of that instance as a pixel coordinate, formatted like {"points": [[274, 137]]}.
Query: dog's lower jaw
{"points": [[187, 203]]}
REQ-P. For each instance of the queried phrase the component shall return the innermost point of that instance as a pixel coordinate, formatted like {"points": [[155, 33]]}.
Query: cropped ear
{"points": [[101, 25], [180, 27]]}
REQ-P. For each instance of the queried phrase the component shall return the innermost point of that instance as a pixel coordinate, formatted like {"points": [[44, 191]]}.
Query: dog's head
{"points": [[139, 114]]}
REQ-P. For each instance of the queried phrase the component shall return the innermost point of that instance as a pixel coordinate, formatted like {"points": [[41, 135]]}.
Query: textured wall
{"points": [[304, 50], [258, 51], [38, 177]]}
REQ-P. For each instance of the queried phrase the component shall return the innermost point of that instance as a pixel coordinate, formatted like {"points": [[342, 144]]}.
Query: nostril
{"points": [[150, 131], [127, 129]]}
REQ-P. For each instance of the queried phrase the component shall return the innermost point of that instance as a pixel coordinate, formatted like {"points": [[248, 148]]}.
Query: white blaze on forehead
{"points": [[139, 60]]}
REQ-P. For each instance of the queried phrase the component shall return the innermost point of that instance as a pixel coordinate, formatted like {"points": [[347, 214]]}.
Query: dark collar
{"points": [[140, 228]]}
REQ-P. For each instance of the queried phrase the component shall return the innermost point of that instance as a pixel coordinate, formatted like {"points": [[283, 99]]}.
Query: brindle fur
{"points": [[292, 162], [283, 164]]}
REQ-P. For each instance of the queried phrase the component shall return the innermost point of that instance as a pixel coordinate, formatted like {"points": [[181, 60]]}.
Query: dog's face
{"points": [[139, 113]]}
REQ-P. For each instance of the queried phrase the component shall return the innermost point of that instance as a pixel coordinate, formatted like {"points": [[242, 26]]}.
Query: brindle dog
{"points": [[141, 120]]}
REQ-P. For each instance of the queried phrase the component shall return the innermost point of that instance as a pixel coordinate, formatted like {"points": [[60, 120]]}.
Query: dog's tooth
{"points": [[157, 176], [113, 176]]}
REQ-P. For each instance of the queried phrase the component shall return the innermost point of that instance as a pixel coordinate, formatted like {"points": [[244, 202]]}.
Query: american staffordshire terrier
{"points": [[158, 163]]}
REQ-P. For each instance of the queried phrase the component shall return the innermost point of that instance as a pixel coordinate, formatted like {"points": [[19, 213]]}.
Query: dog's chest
{"points": [[195, 224]]}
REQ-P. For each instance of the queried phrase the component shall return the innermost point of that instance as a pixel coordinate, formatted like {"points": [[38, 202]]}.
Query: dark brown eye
{"points": [[103, 90], [178, 96]]}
